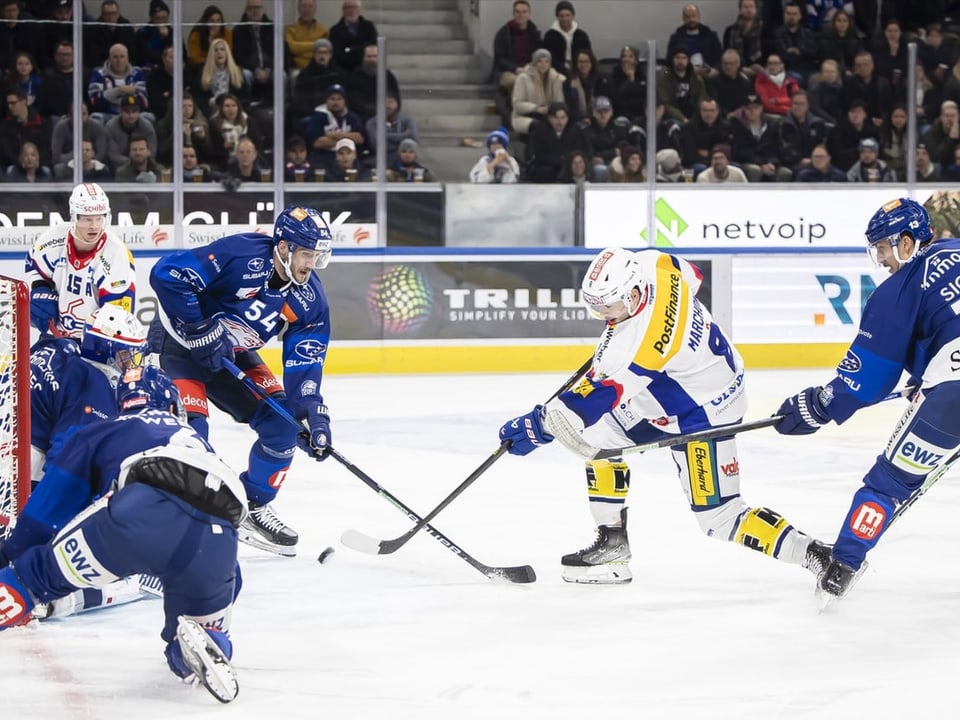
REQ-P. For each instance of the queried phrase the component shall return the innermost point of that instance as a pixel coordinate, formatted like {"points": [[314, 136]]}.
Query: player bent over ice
{"points": [[661, 368], [911, 323], [167, 507], [224, 301]]}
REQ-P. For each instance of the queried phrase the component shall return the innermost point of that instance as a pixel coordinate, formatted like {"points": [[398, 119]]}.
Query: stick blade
{"points": [[356, 540], [520, 575]]}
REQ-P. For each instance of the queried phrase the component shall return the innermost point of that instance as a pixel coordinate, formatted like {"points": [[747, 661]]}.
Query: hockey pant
{"points": [[926, 435], [271, 455], [139, 529]]}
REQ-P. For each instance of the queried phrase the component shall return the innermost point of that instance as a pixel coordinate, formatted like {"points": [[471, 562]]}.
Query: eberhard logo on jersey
{"points": [[703, 484]]}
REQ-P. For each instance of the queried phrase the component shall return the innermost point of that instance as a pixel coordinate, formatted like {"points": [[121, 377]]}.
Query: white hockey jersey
{"points": [[104, 276], [668, 364]]}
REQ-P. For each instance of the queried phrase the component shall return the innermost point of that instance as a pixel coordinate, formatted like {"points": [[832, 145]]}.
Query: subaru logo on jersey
{"points": [[850, 363], [307, 293], [255, 264], [309, 349]]}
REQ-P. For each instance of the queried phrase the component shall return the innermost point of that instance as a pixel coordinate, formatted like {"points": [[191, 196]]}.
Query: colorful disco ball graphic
{"points": [[400, 299]]}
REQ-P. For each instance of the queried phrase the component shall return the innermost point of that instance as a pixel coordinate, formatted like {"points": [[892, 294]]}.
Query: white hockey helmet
{"points": [[114, 337], [89, 199], [610, 279]]}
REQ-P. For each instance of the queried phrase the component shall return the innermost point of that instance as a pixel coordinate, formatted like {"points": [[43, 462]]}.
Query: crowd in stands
{"points": [[789, 91], [226, 118]]}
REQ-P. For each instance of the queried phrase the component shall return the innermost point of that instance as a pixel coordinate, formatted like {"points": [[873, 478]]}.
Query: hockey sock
{"points": [[608, 482]]}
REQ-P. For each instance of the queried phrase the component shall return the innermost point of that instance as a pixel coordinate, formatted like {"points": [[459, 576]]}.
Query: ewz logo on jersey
{"points": [[916, 458], [77, 561]]}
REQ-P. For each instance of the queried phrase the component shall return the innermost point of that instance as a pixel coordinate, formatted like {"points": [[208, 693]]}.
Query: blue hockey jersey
{"points": [[229, 279], [911, 322]]}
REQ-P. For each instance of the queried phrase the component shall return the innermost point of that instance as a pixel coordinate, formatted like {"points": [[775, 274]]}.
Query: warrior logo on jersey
{"points": [[850, 363]]}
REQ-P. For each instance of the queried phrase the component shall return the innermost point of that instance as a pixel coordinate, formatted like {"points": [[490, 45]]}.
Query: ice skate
{"points": [[818, 557], [264, 530], [604, 562], [837, 580], [205, 658]]}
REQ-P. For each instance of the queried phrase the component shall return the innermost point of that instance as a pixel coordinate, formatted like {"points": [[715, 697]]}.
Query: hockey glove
{"points": [[209, 343], [315, 441], [525, 433], [803, 414], [44, 306]]}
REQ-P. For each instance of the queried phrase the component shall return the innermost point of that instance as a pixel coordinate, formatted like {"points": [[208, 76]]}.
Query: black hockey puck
{"points": [[325, 555]]}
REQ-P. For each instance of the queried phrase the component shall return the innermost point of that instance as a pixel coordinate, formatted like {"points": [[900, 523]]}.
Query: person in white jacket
{"points": [[498, 165], [536, 87]]}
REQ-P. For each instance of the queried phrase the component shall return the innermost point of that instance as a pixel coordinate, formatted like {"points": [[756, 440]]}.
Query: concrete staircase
{"points": [[443, 84]]}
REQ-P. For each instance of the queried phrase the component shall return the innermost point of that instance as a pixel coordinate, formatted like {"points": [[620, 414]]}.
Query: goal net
{"points": [[14, 400]]}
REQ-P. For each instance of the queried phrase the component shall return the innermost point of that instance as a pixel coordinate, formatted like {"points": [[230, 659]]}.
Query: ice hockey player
{"points": [[110, 506], [76, 267], [910, 322], [224, 301], [662, 367]]}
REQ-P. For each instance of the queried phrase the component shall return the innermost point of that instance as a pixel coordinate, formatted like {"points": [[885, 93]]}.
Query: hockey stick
{"points": [[364, 543], [517, 574]]}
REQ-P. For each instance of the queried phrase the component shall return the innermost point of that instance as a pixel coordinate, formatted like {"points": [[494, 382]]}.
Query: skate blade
{"points": [[606, 574], [826, 599], [203, 656], [257, 541]]}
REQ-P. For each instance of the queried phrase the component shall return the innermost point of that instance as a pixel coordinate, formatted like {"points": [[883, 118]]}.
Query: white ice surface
{"points": [[706, 629]]}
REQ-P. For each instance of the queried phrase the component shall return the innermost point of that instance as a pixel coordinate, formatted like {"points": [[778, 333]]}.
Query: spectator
{"points": [[253, 51], [210, 27], [951, 172], [123, 128], [62, 142], [951, 88], [345, 167], [93, 170], [839, 42], [669, 167], [866, 85], [565, 39], [576, 169], [329, 124], [193, 171], [23, 124], [720, 170], [890, 56], [602, 136], [844, 139], [298, 37], [893, 139], [228, 125], [800, 132], [114, 81], [310, 87], [774, 87], [820, 170], [679, 88], [870, 168], [18, 34], [513, 47], [627, 167], [297, 168], [536, 87], [628, 88], [826, 97], [756, 144], [153, 37], [944, 134], [927, 170], [56, 91], [194, 127], [362, 84], [110, 29], [59, 27], [246, 165], [407, 168], [550, 142], [581, 85], [747, 39], [730, 87], [820, 12], [704, 132], [351, 35], [23, 74], [28, 169], [140, 166], [160, 84], [698, 41], [219, 75], [399, 128], [936, 56], [498, 166], [795, 44], [928, 100]]}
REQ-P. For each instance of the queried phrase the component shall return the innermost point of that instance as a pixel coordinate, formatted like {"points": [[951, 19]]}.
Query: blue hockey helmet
{"points": [[894, 219], [114, 337], [305, 231], [146, 387]]}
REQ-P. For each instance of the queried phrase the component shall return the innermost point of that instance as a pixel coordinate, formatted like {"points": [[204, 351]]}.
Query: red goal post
{"points": [[14, 400]]}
